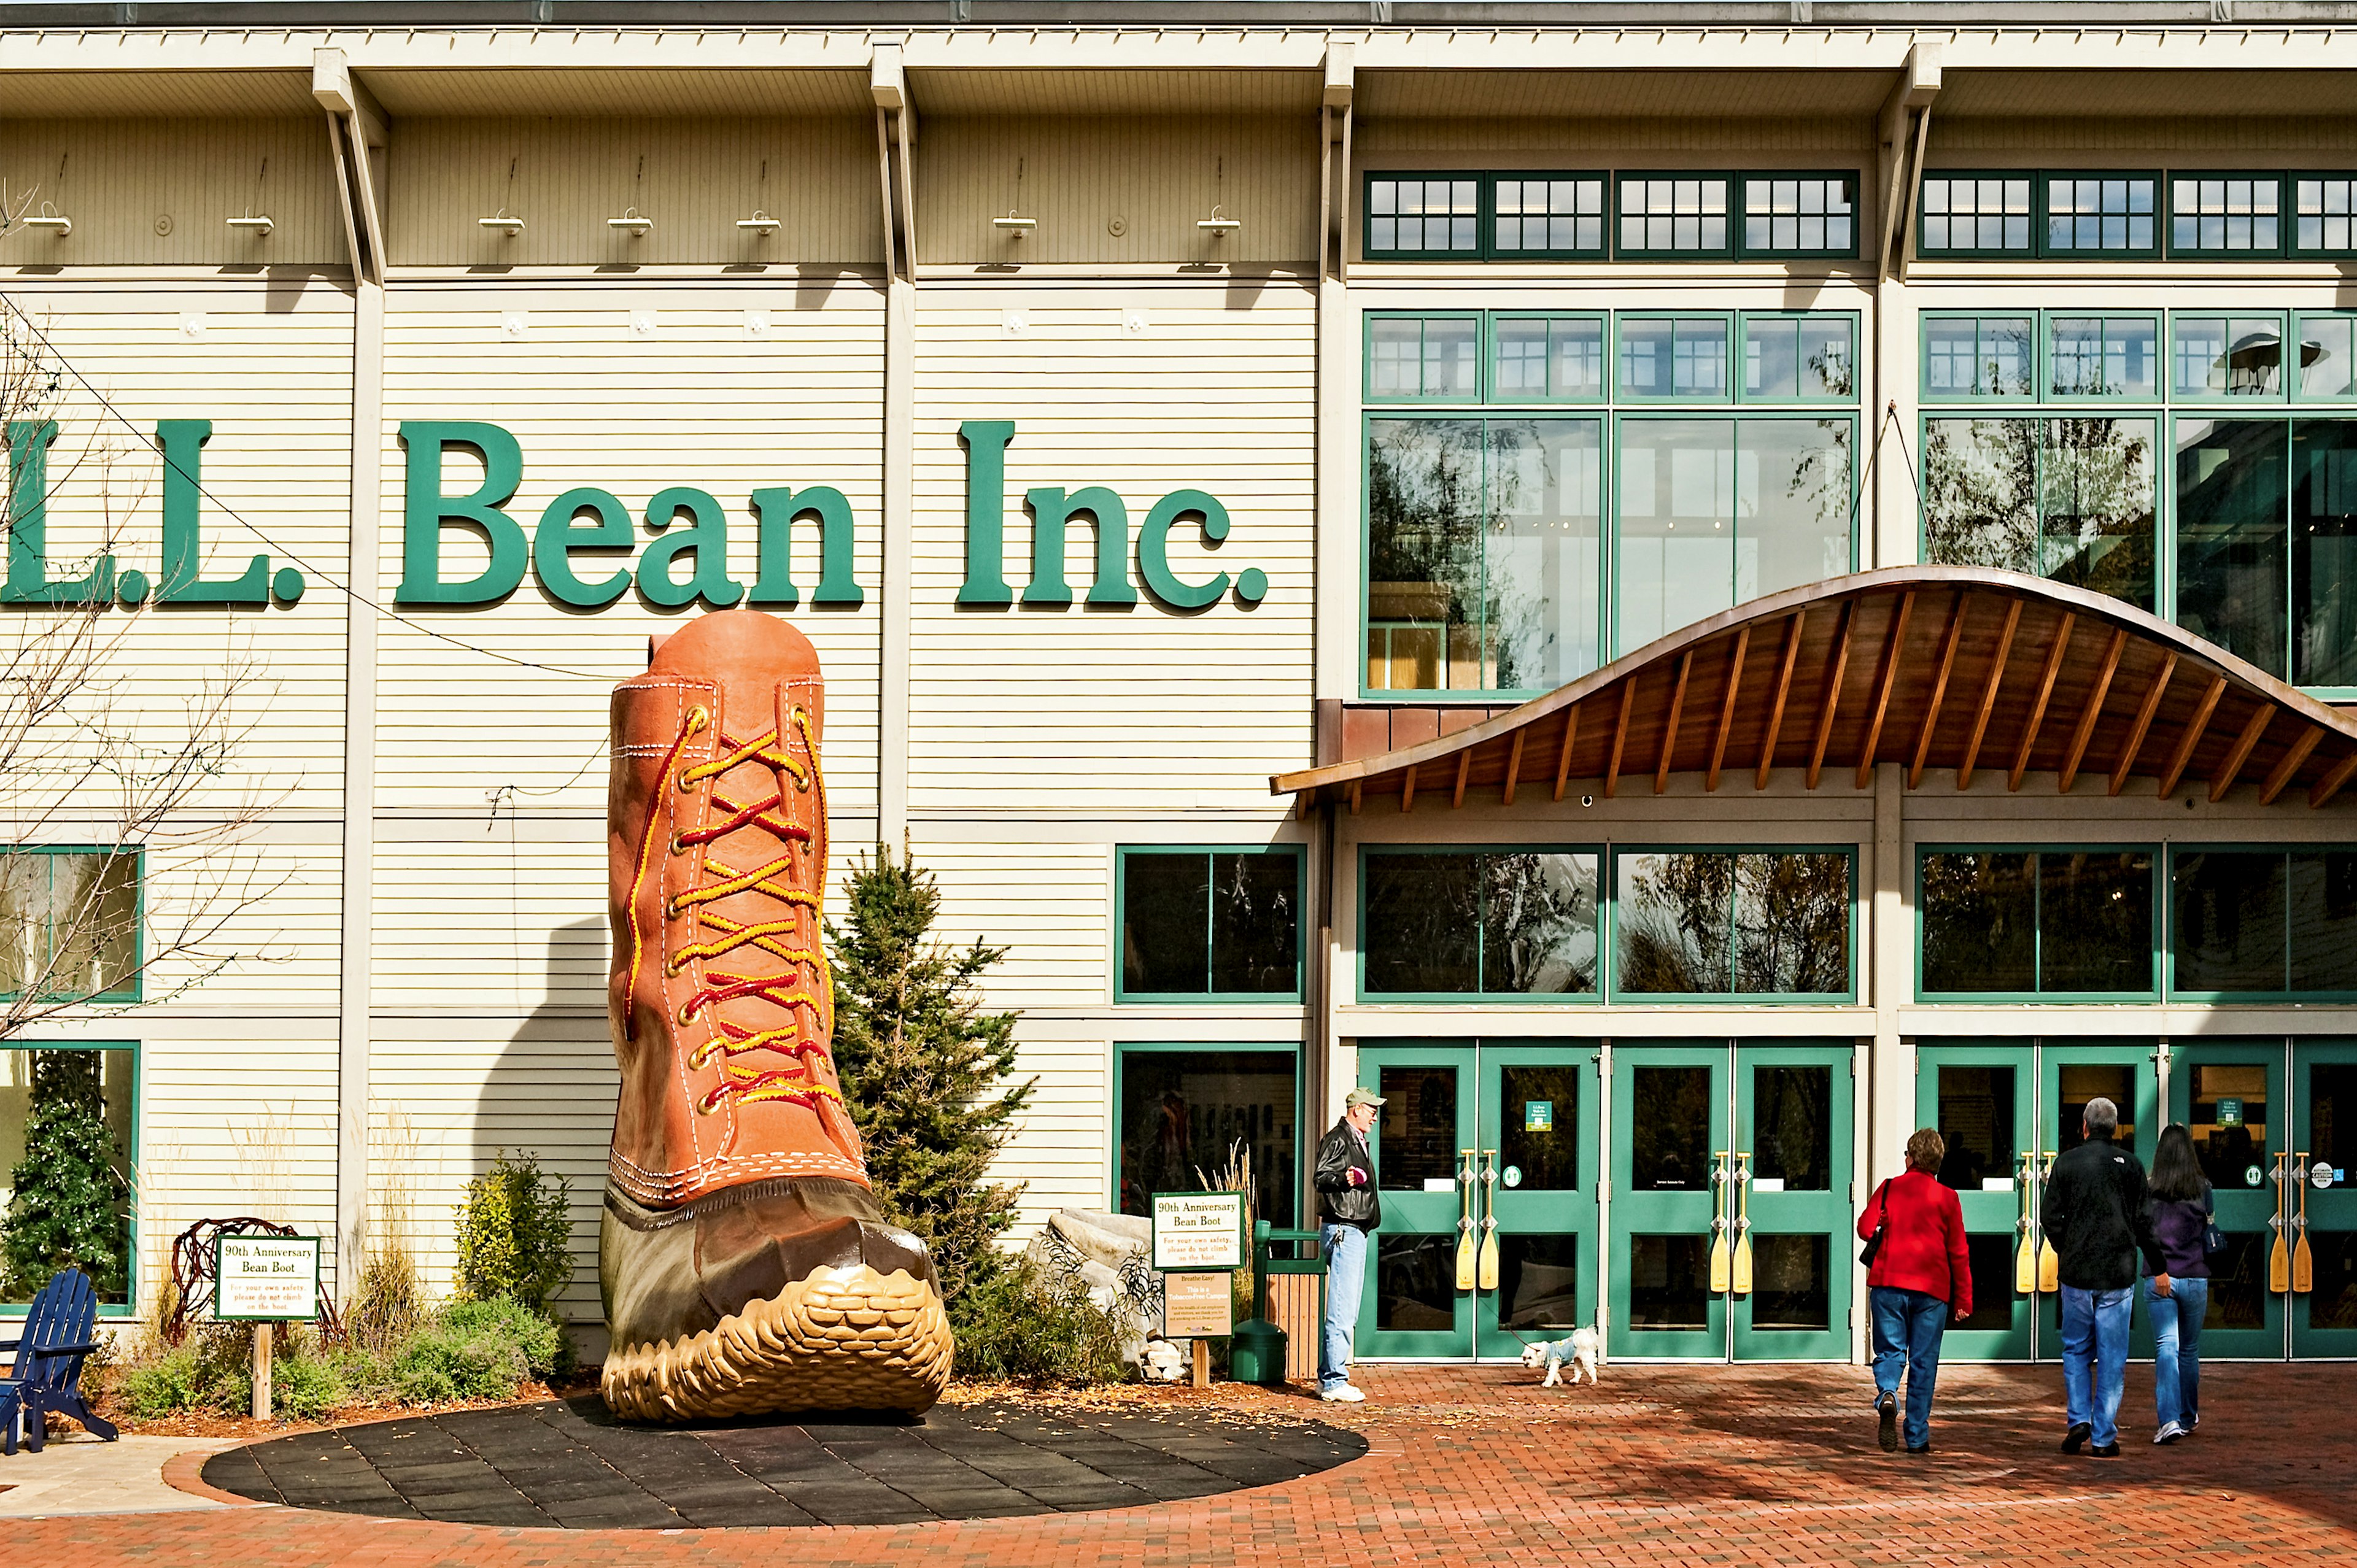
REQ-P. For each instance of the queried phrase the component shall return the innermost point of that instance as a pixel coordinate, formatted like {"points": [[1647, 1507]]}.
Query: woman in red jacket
{"points": [[1921, 1274]]}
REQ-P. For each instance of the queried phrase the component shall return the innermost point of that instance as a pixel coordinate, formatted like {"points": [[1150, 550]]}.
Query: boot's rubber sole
{"points": [[841, 1339]]}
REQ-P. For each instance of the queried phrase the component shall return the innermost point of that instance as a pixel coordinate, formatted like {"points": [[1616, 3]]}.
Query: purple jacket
{"points": [[2178, 1225]]}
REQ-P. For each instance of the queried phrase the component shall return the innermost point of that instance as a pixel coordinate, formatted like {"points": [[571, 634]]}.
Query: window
{"points": [[1674, 357], [1477, 923], [2227, 357], [2324, 215], [1548, 358], [1183, 1109], [2263, 921], [1980, 356], [1199, 923], [1674, 214], [2328, 357], [1711, 922], [1412, 359], [102, 1083], [1716, 511], [2225, 215], [1549, 215], [2110, 213], [1973, 215], [2036, 921], [2068, 498], [2266, 543], [1412, 215], [1800, 215], [69, 922], [2102, 356], [1799, 358]]}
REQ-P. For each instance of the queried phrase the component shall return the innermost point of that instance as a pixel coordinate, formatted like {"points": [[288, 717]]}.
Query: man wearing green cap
{"points": [[1346, 1194]]}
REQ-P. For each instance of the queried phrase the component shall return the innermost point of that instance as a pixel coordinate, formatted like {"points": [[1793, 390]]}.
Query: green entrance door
{"points": [[2228, 1095], [2070, 1074], [1780, 1187], [2324, 1204], [1486, 1158], [1978, 1096]]}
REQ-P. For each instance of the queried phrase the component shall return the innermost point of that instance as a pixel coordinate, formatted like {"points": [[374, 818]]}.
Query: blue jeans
{"points": [[2177, 1351], [1345, 1247], [2095, 1358], [1907, 1325]]}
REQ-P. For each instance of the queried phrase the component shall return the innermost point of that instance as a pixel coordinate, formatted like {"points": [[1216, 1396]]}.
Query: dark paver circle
{"points": [[567, 1463]]}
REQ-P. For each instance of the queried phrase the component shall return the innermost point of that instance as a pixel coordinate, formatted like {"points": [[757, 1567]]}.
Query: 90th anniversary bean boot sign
{"points": [[746, 1262]]}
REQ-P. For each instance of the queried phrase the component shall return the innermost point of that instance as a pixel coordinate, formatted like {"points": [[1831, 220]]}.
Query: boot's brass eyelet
{"points": [[704, 1108], [687, 785], [677, 847], [697, 717], [671, 966], [671, 908], [687, 1013]]}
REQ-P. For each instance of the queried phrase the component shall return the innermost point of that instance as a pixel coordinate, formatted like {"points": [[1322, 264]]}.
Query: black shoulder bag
{"points": [[2213, 1240], [1866, 1255]]}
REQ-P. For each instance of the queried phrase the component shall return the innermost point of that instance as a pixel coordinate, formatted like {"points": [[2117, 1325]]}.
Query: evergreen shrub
{"points": [[70, 1204], [515, 1234], [1033, 1325]]}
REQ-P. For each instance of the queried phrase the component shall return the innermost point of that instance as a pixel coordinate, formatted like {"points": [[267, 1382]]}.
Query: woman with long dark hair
{"points": [[2181, 1218]]}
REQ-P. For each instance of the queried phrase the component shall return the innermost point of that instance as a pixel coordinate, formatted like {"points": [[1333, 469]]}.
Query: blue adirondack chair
{"points": [[59, 1331]]}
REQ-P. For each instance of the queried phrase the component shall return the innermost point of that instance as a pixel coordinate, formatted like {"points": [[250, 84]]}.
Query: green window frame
{"points": [[2233, 358], [1575, 350], [2003, 346], [1565, 210], [1762, 349], [1276, 1192], [1392, 198], [2226, 213], [1696, 345], [114, 941], [1736, 960], [2072, 517], [2331, 376], [2202, 903], [1490, 956], [2097, 356], [1293, 866], [1798, 214], [1988, 213], [1676, 214], [124, 1067], [2067, 919], [2100, 212], [1448, 351], [2322, 216]]}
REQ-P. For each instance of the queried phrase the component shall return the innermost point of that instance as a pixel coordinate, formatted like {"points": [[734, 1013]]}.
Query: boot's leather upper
{"points": [[719, 996]]}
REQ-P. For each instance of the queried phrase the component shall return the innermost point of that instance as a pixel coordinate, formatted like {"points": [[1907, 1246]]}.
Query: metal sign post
{"points": [[266, 1281]]}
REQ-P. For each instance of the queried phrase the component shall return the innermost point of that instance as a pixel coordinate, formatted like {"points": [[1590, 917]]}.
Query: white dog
{"points": [[1583, 1350]]}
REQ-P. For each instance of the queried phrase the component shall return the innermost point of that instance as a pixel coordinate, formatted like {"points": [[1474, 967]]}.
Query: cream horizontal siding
{"points": [[1078, 709], [694, 178], [161, 192], [1059, 1152]]}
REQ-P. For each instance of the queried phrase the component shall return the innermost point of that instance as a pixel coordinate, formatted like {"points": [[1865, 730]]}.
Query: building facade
{"points": [[1682, 595]]}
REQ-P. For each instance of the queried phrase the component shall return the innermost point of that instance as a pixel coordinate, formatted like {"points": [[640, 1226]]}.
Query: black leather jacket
{"points": [[2096, 1214], [1342, 1203]]}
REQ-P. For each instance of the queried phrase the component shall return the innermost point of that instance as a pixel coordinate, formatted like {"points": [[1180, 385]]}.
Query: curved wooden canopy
{"points": [[1940, 668]]}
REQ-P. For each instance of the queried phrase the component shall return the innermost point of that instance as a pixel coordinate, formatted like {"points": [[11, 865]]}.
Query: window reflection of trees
{"points": [[1713, 923], [2069, 498], [1512, 924], [1424, 512]]}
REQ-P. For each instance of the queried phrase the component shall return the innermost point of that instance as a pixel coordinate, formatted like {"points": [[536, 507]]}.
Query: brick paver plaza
{"points": [[1480, 1466]]}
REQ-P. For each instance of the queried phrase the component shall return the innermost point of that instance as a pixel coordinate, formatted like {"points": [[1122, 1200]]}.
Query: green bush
{"points": [[477, 1351], [170, 1382], [1025, 1322], [515, 1234], [306, 1386]]}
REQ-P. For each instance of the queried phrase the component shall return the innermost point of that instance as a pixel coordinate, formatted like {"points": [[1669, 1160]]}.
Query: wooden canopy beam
{"points": [[2334, 778], [1514, 766], [1988, 694], [2240, 751], [2038, 704], [2191, 736], [1619, 739], [2085, 731], [1938, 691], [2145, 710], [1784, 689], [1726, 708], [2292, 758], [1670, 726], [1891, 645], [1563, 759], [1831, 698]]}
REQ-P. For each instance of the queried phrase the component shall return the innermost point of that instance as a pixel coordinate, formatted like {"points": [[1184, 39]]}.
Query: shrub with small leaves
{"points": [[515, 1234], [1036, 1325]]}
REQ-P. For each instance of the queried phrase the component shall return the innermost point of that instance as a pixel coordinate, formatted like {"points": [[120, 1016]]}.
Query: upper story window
{"points": [[1600, 480], [70, 921], [2131, 214], [1555, 215], [1200, 924]]}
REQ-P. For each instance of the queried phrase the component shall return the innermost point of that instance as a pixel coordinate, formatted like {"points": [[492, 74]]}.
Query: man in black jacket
{"points": [[1345, 1179], [2097, 1219]]}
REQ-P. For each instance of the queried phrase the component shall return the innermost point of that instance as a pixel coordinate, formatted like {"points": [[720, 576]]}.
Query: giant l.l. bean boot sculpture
{"points": [[745, 1263]]}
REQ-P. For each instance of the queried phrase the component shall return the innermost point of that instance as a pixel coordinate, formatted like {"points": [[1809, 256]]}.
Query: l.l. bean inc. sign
{"points": [[684, 560]]}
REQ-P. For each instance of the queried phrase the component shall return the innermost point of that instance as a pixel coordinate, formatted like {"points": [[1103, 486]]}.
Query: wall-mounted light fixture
{"points": [[1013, 227], [50, 219], [504, 221], [760, 223], [260, 227], [1219, 225], [632, 222]]}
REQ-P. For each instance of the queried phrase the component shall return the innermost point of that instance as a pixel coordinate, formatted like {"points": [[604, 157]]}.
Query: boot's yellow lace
{"points": [[805, 983]]}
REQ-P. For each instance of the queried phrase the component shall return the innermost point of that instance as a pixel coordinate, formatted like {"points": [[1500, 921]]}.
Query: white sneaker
{"points": [[1345, 1394], [2169, 1434]]}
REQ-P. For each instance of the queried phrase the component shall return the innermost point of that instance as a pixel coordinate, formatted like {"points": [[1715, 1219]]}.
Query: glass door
{"points": [[2322, 1203], [1791, 1203], [2070, 1074], [2228, 1095], [1670, 1220], [1978, 1096], [1535, 1262], [1425, 1148]]}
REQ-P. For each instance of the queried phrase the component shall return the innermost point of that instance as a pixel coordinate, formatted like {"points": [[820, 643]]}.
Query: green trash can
{"points": [[1257, 1352]]}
